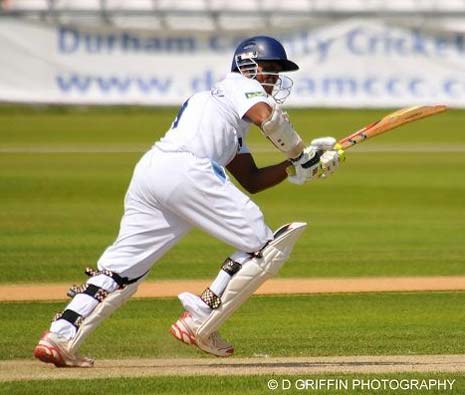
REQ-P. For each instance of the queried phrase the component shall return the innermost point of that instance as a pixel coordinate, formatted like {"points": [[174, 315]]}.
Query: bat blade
{"points": [[389, 122]]}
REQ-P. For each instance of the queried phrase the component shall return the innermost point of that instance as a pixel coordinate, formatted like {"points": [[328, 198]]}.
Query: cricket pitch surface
{"points": [[15, 370]]}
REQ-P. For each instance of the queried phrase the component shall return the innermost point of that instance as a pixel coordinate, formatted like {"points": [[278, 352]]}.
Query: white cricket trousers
{"points": [[169, 193]]}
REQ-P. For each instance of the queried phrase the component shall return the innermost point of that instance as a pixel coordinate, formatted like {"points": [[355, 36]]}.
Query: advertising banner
{"points": [[351, 63]]}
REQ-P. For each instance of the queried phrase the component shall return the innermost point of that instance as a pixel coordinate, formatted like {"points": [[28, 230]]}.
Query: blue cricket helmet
{"points": [[264, 48]]}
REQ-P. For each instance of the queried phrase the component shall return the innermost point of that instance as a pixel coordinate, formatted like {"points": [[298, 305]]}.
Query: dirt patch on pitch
{"points": [[168, 288], [34, 370]]}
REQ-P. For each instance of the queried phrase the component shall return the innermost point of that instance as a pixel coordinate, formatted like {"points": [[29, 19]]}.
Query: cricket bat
{"points": [[385, 124]]}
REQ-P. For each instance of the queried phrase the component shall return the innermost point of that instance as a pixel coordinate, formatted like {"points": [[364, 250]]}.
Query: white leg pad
{"points": [[102, 311], [253, 274]]}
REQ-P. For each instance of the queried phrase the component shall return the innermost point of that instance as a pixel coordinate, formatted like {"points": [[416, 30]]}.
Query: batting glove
{"points": [[306, 166], [329, 162], [324, 143]]}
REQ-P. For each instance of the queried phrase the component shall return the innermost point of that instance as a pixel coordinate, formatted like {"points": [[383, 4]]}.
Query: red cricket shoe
{"points": [[52, 348], [184, 329]]}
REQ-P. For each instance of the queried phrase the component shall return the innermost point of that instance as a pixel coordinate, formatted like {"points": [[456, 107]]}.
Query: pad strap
{"points": [[210, 298], [88, 289], [121, 281], [99, 294], [71, 316], [231, 267]]}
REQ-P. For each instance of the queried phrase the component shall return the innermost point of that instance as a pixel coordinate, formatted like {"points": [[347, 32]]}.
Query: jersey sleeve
{"points": [[245, 94]]}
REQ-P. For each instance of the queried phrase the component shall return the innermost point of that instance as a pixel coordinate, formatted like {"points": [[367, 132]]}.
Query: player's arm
{"points": [[309, 162], [243, 166], [253, 179], [258, 113]]}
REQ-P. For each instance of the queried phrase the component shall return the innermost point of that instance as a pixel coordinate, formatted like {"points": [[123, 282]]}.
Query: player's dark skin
{"points": [[243, 167]]}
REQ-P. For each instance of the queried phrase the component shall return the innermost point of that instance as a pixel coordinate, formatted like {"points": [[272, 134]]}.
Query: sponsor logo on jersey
{"points": [[250, 95]]}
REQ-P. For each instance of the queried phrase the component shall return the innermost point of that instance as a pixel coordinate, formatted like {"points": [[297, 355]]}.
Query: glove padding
{"points": [[324, 143], [329, 162], [307, 166]]}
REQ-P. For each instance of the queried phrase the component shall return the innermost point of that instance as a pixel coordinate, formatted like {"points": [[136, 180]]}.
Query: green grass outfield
{"points": [[396, 207], [247, 385]]}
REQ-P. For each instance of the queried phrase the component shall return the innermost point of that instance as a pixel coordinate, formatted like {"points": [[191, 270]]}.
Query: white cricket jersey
{"points": [[210, 125]]}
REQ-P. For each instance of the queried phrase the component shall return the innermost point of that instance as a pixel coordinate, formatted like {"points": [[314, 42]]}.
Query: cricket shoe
{"points": [[52, 348], [184, 330]]}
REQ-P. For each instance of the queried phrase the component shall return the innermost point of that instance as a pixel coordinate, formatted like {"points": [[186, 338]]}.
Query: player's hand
{"points": [[306, 166], [314, 164], [331, 155], [329, 162]]}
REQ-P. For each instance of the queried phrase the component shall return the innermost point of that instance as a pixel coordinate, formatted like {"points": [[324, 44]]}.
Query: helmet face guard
{"points": [[262, 48], [246, 64], [281, 88]]}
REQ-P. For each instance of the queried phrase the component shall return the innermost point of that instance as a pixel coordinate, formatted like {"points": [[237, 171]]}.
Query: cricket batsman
{"points": [[181, 183]]}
